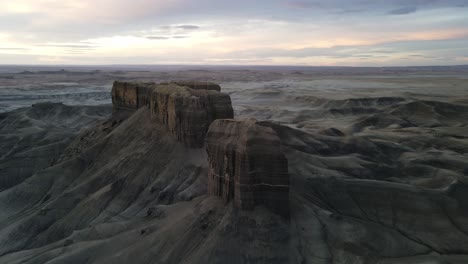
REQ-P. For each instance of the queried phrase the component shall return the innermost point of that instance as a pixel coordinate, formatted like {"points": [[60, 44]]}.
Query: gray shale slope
{"points": [[372, 180]]}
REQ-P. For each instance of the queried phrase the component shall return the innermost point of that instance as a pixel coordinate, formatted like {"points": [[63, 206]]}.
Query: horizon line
{"points": [[232, 65]]}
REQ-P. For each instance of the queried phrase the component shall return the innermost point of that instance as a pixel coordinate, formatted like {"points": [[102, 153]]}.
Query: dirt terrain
{"points": [[377, 159]]}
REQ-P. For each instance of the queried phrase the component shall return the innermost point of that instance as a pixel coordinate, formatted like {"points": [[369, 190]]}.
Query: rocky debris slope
{"points": [[91, 136], [246, 165], [391, 190], [124, 174], [371, 219], [33, 138], [138, 195], [185, 108]]}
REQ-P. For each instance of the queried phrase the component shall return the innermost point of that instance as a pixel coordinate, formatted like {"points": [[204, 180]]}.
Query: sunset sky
{"points": [[241, 32]]}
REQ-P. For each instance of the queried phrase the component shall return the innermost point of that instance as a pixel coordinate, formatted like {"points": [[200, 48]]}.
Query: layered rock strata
{"points": [[186, 112], [247, 166], [130, 95]]}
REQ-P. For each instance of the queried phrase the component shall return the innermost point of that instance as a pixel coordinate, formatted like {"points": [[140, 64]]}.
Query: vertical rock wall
{"points": [[188, 113], [246, 165], [130, 95]]}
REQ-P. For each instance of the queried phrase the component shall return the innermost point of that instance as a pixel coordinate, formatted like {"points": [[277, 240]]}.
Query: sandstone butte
{"points": [[186, 109], [246, 163], [247, 166]]}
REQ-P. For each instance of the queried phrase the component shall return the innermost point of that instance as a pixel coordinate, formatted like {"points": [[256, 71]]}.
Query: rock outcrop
{"points": [[188, 113], [186, 108], [246, 165], [130, 95]]}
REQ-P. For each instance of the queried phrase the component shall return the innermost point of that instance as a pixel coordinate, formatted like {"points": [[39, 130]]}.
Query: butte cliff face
{"points": [[246, 165], [130, 95], [188, 113], [246, 161], [185, 108]]}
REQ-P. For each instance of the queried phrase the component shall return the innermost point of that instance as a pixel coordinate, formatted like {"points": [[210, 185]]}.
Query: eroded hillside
{"points": [[386, 186]]}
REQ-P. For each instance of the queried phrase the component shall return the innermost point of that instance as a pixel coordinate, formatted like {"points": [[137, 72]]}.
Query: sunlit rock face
{"points": [[246, 165], [187, 113]]}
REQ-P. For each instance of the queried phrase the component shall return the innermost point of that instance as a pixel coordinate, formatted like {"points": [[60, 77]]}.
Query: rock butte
{"points": [[246, 165], [130, 95], [188, 113], [185, 108], [133, 95]]}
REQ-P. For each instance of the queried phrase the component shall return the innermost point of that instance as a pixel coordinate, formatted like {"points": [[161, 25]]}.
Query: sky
{"points": [[240, 32]]}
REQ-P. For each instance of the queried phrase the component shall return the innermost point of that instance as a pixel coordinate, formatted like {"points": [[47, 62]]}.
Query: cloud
{"points": [[96, 10], [13, 49], [157, 37], [270, 31], [403, 10], [70, 48], [166, 37], [303, 4], [188, 27], [168, 32], [8, 50], [79, 46], [58, 20], [424, 51], [396, 6], [351, 11]]}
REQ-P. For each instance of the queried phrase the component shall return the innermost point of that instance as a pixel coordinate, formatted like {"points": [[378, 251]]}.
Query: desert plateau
{"points": [[232, 164]]}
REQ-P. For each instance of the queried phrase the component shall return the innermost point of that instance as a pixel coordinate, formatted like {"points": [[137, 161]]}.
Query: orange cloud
{"points": [[355, 38], [434, 35]]}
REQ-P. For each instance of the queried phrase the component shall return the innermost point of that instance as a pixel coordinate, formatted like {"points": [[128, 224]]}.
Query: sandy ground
{"points": [[378, 164]]}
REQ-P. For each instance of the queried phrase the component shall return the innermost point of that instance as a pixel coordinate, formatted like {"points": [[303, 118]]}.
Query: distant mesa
{"points": [[247, 166], [44, 72]]}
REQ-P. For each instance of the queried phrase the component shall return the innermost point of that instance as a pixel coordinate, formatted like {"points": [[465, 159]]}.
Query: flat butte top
{"points": [[197, 85], [243, 133], [174, 89]]}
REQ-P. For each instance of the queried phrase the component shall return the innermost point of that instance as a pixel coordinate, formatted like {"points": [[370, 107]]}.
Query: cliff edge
{"points": [[185, 108], [246, 165]]}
